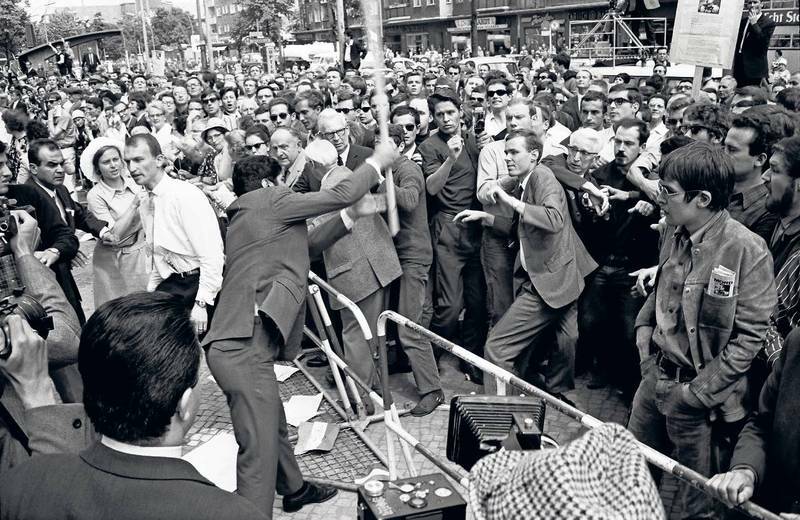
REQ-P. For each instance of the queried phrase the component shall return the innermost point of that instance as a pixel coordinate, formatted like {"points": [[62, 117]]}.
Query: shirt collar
{"points": [[752, 195], [171, 452], [127, 184], [49, 191], [345, 154], [411, 151], [162, 185], [698, 236], [790, 225]]}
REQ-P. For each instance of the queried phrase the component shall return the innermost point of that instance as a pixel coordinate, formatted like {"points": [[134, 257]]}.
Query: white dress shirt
{"points": [[183, 232], [170, 452], [494, 124], [52, 193]]}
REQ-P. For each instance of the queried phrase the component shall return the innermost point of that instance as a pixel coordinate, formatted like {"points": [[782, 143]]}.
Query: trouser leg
{"points": [[411, 301], [498, 268], [265, 461], [358, 353], [560, 372]]}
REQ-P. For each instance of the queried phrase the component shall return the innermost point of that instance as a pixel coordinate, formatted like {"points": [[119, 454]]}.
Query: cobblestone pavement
{"points": [[213, 418]]}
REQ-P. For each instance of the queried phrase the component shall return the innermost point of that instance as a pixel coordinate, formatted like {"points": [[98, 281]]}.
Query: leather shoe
{"points": [[308, 494], [428, 403], [472, 373], [317, 361]]}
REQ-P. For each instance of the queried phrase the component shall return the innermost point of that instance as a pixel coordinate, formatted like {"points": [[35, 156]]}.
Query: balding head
{"points": [[322, 153], [329, 120], [586, 139]]}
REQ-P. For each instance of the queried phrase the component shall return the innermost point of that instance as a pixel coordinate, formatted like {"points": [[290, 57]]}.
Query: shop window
{"points": [[417, 3], [431, 2]]}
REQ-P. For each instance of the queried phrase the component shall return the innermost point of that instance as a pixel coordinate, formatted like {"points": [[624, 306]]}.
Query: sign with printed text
{"points": [[705, 32]]}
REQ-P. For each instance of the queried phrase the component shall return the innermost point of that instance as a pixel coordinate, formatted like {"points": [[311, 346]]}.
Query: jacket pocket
{"points": [[558, 261], [343, 267], [717, 312]]}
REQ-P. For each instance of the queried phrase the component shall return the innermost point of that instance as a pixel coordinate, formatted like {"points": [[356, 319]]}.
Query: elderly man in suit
{"points": [[332, 127], [260, 312], [129, 347], [550, 267], [47, 177], [750, 64]]}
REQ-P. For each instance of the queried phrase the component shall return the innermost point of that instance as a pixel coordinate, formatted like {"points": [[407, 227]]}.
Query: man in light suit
{"points": [[361, 266], [750, 64], [550, 267], [260, 311], [142, 410]]}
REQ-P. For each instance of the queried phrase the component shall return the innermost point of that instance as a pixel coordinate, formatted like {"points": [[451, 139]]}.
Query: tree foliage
{"points": [[271, 17], [60, 24], [13, 19], [171, 27]]}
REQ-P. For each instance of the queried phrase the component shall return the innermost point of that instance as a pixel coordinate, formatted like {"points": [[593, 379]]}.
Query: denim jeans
{"points": [[660, 420]]}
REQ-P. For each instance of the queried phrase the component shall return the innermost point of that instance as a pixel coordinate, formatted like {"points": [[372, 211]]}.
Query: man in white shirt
{"points": [[498, 94], [182, 231], [162, 130]]}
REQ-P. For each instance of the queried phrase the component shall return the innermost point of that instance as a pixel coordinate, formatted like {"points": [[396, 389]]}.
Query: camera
{"points": [[13, 299], [480, 122]]}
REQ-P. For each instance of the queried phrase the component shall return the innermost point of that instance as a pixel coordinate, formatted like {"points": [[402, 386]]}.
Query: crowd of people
{"points": [[553, 221]]}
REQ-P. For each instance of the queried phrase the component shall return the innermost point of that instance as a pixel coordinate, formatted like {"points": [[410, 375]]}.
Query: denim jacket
{"points": [[725, 334]]}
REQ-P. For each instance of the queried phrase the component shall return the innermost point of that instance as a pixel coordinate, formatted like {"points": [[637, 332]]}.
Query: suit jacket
{"points": [[55, 233], [104, 483], [310, 180], [357, 51], [770, 441], [77, 216], [571, 108], [729, 332], [556, 259], [752, 62], [267, 255], [363, 261]]}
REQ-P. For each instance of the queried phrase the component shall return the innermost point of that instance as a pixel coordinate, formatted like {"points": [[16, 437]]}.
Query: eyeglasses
{"points": [[544, 76], [696, 129], [410, 127], [343, 110], [210, 100], [365, 109], [335, 133], [618, 102], [498, 92], [674, 122], [665, 193], [282, 116], [254, 147], [575, 152]]}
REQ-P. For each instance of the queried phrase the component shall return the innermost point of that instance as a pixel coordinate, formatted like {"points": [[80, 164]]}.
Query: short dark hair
{"points": [[225, 90], [259, 131], [672, 143], [757, 93], [395, 133], [334, 69], [138, 354], [36, 130], [594, 96], [140, 98], [562, 59], [315, 98], [250, 171], [404, 110], [38, 144], [712, 116], [532, 141], [413, 72], [148, 140], [280, 101], [641, 126], [789, 98], [790, 148], [15, 120], [700, 166], [759, 124]]}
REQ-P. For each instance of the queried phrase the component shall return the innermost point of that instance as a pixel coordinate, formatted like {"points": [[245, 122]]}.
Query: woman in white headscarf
{"points": [[121, 260]]}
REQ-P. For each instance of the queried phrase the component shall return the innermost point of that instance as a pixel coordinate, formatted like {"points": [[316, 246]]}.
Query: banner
{"points": [[706, 32]]}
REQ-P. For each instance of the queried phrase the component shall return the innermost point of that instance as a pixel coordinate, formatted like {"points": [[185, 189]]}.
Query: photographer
{"points": [[29, 423]]}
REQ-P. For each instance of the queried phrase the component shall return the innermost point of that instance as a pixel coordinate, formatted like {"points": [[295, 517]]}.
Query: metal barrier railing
{"points": [[654, 457]]}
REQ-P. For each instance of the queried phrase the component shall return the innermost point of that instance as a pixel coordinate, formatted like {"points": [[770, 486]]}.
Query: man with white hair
{"points": [[332, 127], [162, 130], [361, 265]]}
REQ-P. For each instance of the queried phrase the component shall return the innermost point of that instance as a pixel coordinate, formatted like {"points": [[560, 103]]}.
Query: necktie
{"points": [[339, 161], [60, 208]]}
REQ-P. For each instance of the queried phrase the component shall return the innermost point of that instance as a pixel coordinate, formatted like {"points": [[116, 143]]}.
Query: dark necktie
{"points": [[339, 161]]}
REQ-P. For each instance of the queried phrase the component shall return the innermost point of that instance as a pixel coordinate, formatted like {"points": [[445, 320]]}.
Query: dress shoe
{"points": [[308, 494], [565, 399], [317, 361], [428, 403], [473, 373]]}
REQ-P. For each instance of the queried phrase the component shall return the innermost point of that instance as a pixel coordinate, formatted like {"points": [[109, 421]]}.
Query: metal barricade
{"points": [[654, 457]]}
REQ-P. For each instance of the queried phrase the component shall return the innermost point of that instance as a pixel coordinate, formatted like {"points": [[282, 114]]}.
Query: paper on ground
{"points": [[284, 372], [301, 408], [315, 436], [216, 460]]}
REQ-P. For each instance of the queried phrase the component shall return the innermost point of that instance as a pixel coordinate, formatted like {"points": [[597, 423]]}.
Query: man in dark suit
{"points": [[260, 314], [90, 62], [766, 455], [333, 128], [47, 177], [357, 52], [550, 267], [750, 64], [142, 411]]}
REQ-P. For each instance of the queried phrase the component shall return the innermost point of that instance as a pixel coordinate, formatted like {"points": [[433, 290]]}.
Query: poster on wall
{"points": [[705, 32]]}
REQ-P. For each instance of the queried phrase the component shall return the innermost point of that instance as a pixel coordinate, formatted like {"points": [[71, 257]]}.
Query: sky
{"points": [[39, 7]]}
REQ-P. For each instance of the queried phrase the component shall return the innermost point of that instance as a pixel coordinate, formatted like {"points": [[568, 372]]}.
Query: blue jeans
{"points": [[661, 420]]}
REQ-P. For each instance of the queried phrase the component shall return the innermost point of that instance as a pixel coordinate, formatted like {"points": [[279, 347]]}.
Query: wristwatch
{"points": [[200, 304]]}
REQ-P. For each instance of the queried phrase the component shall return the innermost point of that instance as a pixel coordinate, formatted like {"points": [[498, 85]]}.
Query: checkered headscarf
{"points": [[599, 476]]}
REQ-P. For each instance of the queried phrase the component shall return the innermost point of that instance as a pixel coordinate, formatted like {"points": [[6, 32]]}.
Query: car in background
{"points": [[502, 63]]}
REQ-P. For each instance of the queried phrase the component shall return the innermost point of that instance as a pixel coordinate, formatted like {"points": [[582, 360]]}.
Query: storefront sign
{"points": [[784, 16], [485, 23]]}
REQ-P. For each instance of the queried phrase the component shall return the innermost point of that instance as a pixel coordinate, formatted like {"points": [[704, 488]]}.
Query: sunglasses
{"points": [[696, 129], [210, 100], [410, 127], [274, 117], [254, 147], [618, 102], [673, 122], [544, 76], [365, 109], [497, 93], [343, 110]]}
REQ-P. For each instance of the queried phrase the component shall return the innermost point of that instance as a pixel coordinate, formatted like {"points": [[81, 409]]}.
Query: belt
{"points": [[674, 371], [188, 273]]}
